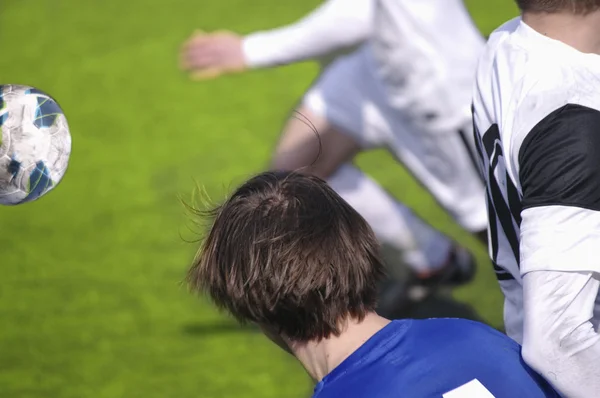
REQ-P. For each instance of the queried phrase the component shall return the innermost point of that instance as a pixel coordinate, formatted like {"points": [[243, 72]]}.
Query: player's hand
{"points": [[208, 55]]}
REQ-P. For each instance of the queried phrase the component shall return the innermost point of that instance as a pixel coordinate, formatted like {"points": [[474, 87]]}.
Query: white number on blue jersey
{"points": [[473, 389]]}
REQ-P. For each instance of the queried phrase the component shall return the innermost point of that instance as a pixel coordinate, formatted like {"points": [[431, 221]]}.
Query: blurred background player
{"points": [[537, 112], [408, 90], [289, 254]]}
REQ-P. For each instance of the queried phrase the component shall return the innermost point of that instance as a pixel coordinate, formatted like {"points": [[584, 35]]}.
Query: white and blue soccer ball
{"points": [[35, 144]]}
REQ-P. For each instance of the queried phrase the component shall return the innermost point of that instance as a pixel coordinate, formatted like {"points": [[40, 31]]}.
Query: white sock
{"points": [[423, 248]]}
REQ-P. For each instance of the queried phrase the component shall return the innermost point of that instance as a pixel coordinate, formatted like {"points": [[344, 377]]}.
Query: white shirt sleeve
{"points": [[559, 174], [560, 238], [559, 340], [334, 25]]}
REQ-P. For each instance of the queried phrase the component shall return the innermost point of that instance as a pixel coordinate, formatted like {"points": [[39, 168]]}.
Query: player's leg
{"points": [[443, 161], [473, 211], [310, 143], [358, 105], [340, 97], [422, 247], [407, 240]]}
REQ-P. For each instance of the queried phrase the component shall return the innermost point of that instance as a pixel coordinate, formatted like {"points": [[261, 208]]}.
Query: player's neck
{"points": [[581, 32], [320, 358]]}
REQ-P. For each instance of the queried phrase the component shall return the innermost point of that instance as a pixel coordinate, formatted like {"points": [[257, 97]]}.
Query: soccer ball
{"points": [[35, 144]]}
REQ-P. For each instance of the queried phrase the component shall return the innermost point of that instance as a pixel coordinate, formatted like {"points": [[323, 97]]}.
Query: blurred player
{"points": [[289, 254], [537, 115], [408, 90]]}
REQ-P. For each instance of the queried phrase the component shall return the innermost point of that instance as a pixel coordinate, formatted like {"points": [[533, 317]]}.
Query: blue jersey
{"points": [[435, 358]]}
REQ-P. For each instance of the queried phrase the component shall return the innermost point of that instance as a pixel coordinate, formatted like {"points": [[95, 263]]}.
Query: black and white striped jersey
{"points": [[536, 111]]}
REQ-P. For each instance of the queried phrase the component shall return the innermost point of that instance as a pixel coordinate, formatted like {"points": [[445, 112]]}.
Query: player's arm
{"points": [[334, 25], [559, 171]]}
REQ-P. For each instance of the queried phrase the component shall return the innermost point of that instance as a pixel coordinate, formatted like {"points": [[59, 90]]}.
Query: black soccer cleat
{"points": [[399, 296], [460, 269]]}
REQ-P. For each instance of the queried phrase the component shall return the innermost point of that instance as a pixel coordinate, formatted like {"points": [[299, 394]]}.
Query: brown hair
{"points": [[287, 252], [575, 6]]}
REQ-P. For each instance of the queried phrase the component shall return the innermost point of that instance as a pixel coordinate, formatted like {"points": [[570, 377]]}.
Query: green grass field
{"points": [[91, 303]]}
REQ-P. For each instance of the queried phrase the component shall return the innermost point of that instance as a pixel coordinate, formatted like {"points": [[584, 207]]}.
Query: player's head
{"points": [[288, 253], [553, 6]]}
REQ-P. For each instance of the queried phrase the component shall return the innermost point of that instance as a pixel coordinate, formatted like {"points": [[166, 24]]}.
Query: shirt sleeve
{"points": [[334, 25], [559, 339], [559, 172]]}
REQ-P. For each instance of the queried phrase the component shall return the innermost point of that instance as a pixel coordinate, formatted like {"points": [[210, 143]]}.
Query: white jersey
{"points": [[536, 108], [426, 52]]}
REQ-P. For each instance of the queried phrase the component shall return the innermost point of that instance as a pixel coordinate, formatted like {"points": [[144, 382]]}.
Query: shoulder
{"points": [[499, 40], [500, 72], [546, 88], [496, 42], [558, 104], [456, 332], [505, 29]]}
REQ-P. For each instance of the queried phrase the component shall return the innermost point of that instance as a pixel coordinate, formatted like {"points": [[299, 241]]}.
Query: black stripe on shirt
{"points": [[560, 160]]}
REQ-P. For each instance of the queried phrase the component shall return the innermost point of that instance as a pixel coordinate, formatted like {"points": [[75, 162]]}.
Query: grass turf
{"points": [[90, 298]]}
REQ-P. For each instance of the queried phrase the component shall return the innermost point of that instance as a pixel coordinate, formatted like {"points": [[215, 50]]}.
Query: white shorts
{"points": [[351, 98]]}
